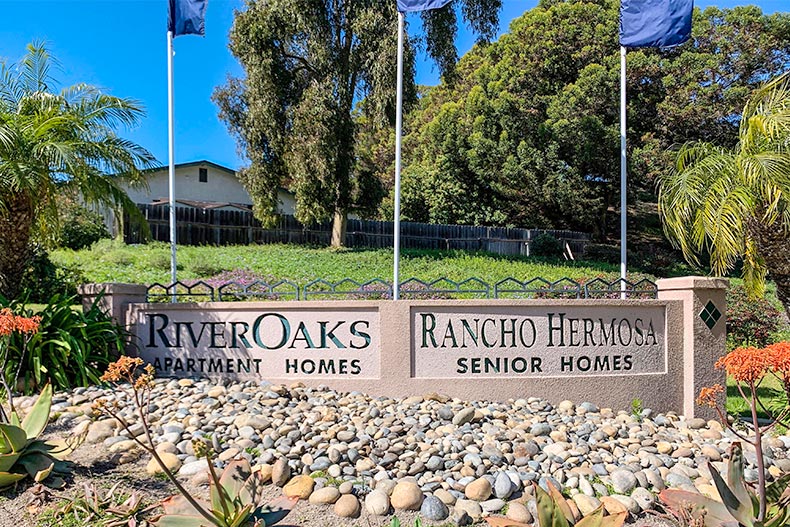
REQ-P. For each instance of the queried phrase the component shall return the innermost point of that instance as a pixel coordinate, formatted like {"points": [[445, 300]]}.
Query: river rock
{"points": [[446, 497], [518, 512], [644, 498], [406, 496], [540, 429], [434, 509], [347, 506], [281, 472], [171, 461], [464, 416], [325, 496], [470, 507], [503, 487], [493, 505], [629, 503], [193, 467], [478, 490], [100, 430], [612, 505], [586, 504], [623, 481], [300, 487], [377, 503]]}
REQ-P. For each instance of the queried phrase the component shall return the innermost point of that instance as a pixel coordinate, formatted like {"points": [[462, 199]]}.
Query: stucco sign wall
{"points": [[606, 351], [241, 340], [538, 341]]}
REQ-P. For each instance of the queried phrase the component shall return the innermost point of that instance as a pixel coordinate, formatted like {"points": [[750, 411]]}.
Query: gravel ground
{"points": [[452, 460]]}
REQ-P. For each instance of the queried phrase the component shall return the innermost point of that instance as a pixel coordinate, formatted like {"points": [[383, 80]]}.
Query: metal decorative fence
{"points": [[348, 289]]}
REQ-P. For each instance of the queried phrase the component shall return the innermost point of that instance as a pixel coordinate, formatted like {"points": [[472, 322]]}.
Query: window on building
{"points": [[203, 175]]}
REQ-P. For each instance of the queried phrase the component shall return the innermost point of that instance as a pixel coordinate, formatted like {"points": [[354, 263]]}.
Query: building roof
{"points": [[203, 162], [204, 205]]}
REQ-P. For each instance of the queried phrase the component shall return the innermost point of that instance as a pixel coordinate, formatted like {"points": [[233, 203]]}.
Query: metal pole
{"points": [[172, 166], [623, 176], [398, 133]]}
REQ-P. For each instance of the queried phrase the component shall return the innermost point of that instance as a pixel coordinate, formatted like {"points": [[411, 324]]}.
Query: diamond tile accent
{"points": [[710, 314]]}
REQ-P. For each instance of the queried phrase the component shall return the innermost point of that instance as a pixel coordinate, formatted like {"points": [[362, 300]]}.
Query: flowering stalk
{"points": [[124, 369], [10, 324], [748, 366]]}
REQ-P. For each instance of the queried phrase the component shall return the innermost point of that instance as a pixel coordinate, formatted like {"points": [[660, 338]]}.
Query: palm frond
{"points": [[717, 200]]}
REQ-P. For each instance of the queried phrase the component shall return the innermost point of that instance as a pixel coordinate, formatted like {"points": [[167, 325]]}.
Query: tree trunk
{"points": [[772, 244], [16, 223], [339, 224]]}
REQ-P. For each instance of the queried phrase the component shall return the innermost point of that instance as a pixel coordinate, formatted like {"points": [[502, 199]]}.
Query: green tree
{"points": [[51, 142], [528, 132], [308, 64], [732, 203]]}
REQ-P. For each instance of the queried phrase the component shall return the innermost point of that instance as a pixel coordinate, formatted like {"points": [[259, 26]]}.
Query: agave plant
{"points": [[22, 454], [739, 505], [236, 498], [555, 511]]}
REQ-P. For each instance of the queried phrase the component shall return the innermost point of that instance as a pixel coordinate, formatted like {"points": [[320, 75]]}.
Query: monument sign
{"points": [[605, 351]]}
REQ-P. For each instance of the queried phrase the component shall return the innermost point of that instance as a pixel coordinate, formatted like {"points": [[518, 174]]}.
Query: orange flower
{"points": [[10, 323], [779, 359], [122, 369], [709, 396], [745, 364]]}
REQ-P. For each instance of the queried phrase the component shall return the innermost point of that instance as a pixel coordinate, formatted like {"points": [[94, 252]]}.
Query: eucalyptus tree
{"points": [[311, 67], [54, 142], [734, 203]]}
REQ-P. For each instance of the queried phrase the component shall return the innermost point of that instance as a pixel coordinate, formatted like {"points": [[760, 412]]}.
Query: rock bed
{"points": [[446, 458]]}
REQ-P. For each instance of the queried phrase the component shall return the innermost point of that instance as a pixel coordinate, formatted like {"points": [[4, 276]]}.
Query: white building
{"points": [[201, 182]]}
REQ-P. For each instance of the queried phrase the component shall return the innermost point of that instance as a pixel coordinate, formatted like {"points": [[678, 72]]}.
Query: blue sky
{"points": [[120, 45]]}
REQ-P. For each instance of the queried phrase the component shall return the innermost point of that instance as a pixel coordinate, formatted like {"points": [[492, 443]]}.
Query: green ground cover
{"points": [[770, 392], [114, 262]]}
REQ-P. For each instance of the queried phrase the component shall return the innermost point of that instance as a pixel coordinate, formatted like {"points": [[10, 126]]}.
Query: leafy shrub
{"points": [[162, 262], [204, 269], [72, 347], [43, 279], [751, 322], [546, 245], [600, 252], [81, 228], [120, 257]]}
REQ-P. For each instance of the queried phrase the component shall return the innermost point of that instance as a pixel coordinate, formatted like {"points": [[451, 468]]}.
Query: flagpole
{"points": [[171, 164], [398, 134], [623, 175]]}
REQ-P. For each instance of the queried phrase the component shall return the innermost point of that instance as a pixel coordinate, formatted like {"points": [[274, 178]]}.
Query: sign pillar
{"points": [[704, 334], [113, 297]]}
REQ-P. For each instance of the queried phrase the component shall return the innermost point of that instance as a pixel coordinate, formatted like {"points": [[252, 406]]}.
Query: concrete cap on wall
{"points": [[691, 282]]}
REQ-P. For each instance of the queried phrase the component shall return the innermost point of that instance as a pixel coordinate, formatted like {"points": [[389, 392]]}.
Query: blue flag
{"points": [[655, 23], [186, 17], [405, 6]]}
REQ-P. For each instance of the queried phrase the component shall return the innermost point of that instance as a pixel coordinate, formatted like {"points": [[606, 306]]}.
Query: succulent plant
{"points": [[739, 505], [22, 454], [555, 511], [236, 498]]}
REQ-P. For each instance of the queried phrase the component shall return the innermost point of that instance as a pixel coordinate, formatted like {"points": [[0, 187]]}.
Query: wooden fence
{"points": [[236, 227]]}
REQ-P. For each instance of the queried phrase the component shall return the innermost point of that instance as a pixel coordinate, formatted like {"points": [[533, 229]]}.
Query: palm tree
{"points": [[734, 204], [52, 143]]}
